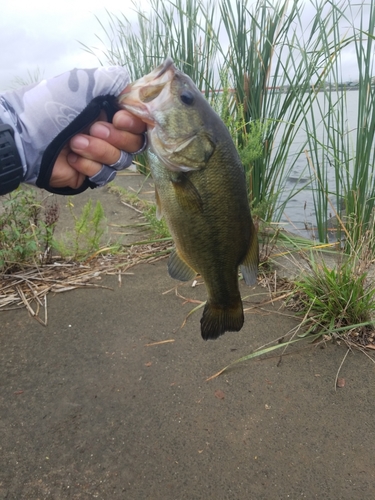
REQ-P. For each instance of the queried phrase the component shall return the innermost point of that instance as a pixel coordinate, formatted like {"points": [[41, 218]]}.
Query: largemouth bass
{"points": [[200, 189]]}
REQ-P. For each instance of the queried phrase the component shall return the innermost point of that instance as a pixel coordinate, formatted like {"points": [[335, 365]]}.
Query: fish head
{"points": [[180, 122]]}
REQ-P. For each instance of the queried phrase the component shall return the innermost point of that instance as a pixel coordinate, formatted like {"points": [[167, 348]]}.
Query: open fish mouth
{"points": [[162, 74], [146, 89], [148, 94], [150, 86]]}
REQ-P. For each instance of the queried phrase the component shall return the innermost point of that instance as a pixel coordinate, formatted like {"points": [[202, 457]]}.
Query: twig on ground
{"points": [[32, 284]]}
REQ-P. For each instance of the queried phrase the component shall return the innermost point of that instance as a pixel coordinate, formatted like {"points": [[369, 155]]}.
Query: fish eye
{"points": [[187, 97]]}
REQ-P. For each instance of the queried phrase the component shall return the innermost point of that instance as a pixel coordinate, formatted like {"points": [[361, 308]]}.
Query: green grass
{"points": [[335, 301], [25, 235], [339, 299], [27, 226], [183, 30], [85, 238], [336, 304], [28, 222]]}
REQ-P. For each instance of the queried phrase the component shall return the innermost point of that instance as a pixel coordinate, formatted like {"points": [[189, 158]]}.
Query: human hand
{"points": [[48, 115], [85, 154]]}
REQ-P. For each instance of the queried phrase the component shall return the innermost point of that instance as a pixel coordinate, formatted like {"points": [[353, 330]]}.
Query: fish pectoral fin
{"points": [[178, 269], [187, 194], [159, 211], [249, 266]]}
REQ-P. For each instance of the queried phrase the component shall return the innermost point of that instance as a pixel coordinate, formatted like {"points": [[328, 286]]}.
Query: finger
{"points": [[74, 180], [94, 149], [63, 175], [123, 120], [121, 139], [83, 166]]}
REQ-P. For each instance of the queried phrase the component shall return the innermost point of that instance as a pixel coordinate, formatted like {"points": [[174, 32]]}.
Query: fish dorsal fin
{"points": [[249, 266], [178, 269], [159, 211], [187, 194]]}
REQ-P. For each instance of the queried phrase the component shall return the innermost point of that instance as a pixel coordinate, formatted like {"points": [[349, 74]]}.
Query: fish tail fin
{"points": [[218, 319]]}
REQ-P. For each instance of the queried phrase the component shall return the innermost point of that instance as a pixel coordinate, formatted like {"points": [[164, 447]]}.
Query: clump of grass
{"points": [[336, 301], [85, 239], [158, 226], [24, 236], [340, 300]]}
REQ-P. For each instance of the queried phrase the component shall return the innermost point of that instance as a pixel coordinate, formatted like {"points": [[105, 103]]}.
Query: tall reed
{"points": [[337, 146], [272, 47], [180, 29], [278, 65]]}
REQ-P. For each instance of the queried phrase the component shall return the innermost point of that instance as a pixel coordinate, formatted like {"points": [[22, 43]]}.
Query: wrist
{"points": [[11, 170]]}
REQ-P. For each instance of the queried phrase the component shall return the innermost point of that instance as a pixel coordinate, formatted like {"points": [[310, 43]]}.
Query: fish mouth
{"points": [[161, 77], [143, 91]]}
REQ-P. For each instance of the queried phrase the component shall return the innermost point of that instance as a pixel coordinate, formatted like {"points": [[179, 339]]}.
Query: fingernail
{"points": [[79, 142], [100, 131]]}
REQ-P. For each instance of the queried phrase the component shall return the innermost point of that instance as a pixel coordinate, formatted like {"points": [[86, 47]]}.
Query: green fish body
{"points": [[200, 190]]}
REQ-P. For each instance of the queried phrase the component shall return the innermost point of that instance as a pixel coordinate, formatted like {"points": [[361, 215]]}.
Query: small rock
{"points": [[219, 394], [340, 382]]}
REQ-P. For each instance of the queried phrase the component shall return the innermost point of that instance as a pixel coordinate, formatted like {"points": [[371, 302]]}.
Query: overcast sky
{"points": [[45, 35]]}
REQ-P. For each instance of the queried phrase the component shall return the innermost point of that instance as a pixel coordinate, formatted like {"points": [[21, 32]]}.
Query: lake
{"points": [[300, 211]]}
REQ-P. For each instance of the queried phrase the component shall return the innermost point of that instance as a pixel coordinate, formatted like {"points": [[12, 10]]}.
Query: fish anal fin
{"points": [[217, 319], [179, 269], [249, 266], [186, 193]]}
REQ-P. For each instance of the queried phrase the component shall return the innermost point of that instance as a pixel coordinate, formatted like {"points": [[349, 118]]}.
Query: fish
{"points": [[200, 189]]}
